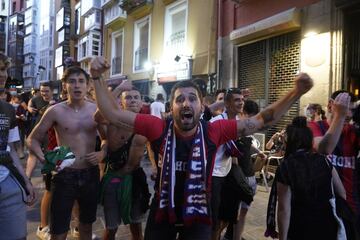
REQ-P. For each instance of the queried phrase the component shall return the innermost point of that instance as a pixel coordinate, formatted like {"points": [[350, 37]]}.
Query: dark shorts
{"points": [[47, 180], [216, 196], [166, 231], [70, 185]]}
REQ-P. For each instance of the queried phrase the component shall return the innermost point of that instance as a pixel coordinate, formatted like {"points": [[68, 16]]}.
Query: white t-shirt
{"points": [[222, 165], [156, 108], [13, 137]]}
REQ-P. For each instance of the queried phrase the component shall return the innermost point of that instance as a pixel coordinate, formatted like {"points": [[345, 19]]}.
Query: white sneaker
{"points": [[75, 233], [44, 233]]}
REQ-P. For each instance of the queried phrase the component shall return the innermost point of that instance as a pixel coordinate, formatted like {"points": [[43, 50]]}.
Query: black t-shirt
{"points": [[40, 104], [7, 122]]}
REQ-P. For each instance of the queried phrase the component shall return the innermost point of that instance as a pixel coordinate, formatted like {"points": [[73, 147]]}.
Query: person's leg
{"points": [[87, 199], [64, 191], [12, 210], [30, 164], [215, 205], [111, 209], [196, 232], [45, 202], [158, 231], [239, 226], [136, 231]]}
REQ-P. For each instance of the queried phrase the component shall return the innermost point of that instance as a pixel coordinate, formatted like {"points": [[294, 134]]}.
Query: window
{"points": [[117, 45], [175, 29], [141, 43], [58, 56], [2, 4], [13, 7], [77, 18], [93, 21]]}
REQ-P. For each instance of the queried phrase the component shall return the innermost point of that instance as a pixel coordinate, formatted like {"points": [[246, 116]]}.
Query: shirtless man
{"points": [[74, 126], [122, 167], [187, 146]]}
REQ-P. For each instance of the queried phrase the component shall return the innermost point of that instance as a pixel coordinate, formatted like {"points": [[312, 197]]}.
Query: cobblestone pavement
{"points": [[254, 228]]}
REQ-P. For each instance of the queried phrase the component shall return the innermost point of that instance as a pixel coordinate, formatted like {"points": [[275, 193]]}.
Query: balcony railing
{"points": [[112, 13], [116, 65], [141, 56], [88, 6], [136, 8]]}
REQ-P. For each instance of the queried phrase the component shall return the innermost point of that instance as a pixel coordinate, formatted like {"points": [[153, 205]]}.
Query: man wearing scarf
{"points": [[186, 148]]}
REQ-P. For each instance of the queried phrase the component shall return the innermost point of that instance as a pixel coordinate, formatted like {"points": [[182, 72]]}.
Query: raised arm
{"points": [[105, 101], [272, 114], [327, 143], [39, 132]]}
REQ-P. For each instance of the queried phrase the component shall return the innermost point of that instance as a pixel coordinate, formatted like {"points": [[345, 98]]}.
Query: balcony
{"points": [[137, 8], [89, 45], [30, 16], [106, 2], [116, 63], [88, 6], [114, 15], [93, 21]]}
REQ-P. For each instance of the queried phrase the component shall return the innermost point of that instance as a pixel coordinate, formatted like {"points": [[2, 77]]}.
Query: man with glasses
{"points": [[186, 147], [345, 157]]}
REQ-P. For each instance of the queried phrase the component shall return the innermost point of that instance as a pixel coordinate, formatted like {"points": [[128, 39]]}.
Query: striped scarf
{"points": [[195, 207]]}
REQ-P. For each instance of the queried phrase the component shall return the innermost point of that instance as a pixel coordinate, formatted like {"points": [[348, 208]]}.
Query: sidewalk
{"points": [[254, 228]]}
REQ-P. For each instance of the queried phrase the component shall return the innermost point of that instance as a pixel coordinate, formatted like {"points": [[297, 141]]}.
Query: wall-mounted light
{"points": [[311, 34], [177, 58]]}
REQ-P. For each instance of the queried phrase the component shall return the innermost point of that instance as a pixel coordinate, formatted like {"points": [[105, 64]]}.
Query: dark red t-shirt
{"points": [[344, 158], [215, 134]]}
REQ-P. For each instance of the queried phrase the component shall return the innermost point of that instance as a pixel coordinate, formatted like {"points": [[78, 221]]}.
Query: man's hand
{"points": [[303, 83], [98, 66], [95, 158], [31, 197], [340, 106]]}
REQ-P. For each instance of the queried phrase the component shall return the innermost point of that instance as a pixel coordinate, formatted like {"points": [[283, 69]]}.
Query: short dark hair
{"points": [[336, 93], [184, 84], [74, 70], [5, 59], [222, 90], [46, 84], [160, 97], [250, 107], [229, 93], [298, 136]]}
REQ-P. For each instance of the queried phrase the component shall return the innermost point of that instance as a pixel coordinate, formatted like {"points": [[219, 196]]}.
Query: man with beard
{"points": [[74, 126], [345, 156], [186, 147], [15, 187], [124, 195]]}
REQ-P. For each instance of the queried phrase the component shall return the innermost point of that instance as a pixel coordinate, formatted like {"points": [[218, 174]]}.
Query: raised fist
{"points": [[98, 66], [303, 83]]}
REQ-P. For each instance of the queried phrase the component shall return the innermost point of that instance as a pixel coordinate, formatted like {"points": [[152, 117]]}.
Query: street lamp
{"points": [[191, 62]]}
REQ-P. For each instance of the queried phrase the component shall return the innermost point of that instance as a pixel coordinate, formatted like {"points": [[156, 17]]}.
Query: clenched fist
{"points": [[98, 66], [303, 83]]}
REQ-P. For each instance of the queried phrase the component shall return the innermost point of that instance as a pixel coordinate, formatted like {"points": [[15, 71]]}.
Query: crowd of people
{"points": [[202, 151]]}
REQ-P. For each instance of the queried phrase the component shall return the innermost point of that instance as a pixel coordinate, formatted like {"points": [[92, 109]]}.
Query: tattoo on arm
{"points": [[249, 125], [267, 115]]}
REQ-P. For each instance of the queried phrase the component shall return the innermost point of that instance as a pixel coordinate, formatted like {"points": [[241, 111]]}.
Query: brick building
{"points": [[263, 45]]}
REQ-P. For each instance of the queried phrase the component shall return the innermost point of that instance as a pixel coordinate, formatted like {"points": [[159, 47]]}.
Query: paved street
{"points": [[254, 229]]}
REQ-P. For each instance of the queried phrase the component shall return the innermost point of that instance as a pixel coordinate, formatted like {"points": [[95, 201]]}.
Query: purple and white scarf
{"points": [[195, 207]]}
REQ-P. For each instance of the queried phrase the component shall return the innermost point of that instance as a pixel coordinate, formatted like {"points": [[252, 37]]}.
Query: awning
{"points": [[280, 23]]}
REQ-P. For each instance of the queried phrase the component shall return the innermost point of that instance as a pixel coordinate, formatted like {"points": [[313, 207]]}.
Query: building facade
{"points": [[157, 43], [262, 46]]}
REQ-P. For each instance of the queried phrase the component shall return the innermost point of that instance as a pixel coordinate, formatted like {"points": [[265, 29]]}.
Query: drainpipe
{"points": [[219, 44]]}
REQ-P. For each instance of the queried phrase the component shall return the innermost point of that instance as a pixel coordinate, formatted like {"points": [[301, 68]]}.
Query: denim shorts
{"points": [[12, 210], [67, 186]]}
